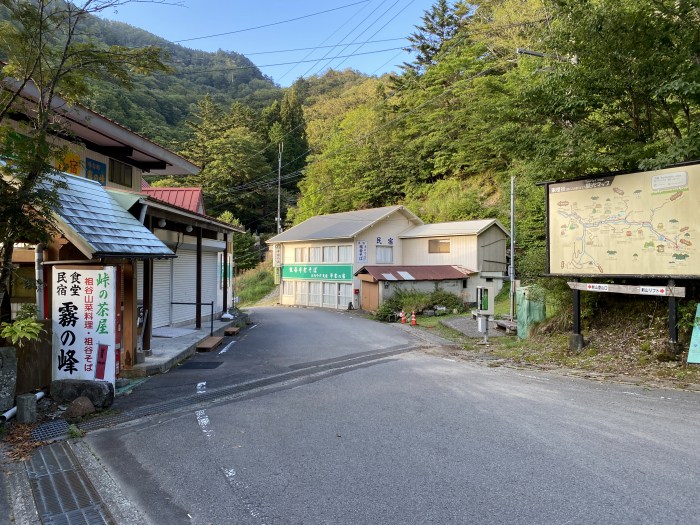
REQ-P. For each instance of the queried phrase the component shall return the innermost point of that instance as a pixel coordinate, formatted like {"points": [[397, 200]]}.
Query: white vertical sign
{"points": [[84, 323], [362, 251]]}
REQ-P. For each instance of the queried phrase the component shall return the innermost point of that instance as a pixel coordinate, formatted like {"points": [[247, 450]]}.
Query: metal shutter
{"points": [[162, 278], [184, 286]]}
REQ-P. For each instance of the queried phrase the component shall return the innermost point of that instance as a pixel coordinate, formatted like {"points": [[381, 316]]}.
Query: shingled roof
{"points": [[98, 226]]}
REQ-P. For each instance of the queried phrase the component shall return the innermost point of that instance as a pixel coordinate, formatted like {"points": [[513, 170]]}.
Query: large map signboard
{"points": [[637, 224]]}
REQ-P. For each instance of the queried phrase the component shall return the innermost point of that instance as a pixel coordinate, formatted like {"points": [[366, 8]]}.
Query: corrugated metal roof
{"points": [[344, 225], [416, 273], [189, 198], [447, 229], [95, 222]]}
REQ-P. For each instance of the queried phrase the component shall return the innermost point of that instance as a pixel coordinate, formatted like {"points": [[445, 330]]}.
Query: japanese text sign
{"points": [[84, 323]]}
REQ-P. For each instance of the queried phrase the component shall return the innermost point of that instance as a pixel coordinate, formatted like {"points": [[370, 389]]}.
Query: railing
{"points": [[211, 317]]}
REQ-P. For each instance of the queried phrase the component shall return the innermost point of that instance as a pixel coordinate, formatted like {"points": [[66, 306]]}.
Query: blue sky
{"points": [[371, 31]]}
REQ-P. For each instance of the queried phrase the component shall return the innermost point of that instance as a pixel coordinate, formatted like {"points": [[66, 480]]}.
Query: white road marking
{"points": [[242, 488], [450, 360], [252, 327], [201, 387], [227, 347], [204, 423]]}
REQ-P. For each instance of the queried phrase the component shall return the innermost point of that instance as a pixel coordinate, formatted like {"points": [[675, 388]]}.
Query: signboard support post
{"points": [[576, 339], [673, 318]]}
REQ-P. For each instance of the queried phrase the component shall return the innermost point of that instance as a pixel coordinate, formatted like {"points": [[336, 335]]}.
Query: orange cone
{"points": [[403, 317], [413, 319]]}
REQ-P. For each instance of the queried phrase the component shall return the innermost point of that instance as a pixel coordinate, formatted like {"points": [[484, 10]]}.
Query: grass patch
{"points": [[253, 285]]}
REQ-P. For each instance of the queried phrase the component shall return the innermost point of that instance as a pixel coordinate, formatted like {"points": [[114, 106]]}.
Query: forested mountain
{"points": [[158, 105]]}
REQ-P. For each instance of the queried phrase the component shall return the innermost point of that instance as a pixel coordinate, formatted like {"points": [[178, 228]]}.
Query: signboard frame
{"points": [[84, 322], [606, 180]]}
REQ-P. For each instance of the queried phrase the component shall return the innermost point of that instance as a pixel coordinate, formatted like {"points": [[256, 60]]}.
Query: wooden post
{"points": [[130, 342], [147, 305]]}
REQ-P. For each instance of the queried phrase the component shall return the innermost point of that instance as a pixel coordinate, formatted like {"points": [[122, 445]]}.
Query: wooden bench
{"points": [[209, 344], [509, 326], [232, 330]]}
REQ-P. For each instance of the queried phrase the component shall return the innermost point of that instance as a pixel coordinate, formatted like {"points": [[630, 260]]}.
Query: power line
{"points": [[321, 47], [269, 25], [238, 68]]}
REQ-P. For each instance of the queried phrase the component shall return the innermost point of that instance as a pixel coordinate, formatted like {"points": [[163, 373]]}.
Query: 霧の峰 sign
{"points": [[84, 323]]}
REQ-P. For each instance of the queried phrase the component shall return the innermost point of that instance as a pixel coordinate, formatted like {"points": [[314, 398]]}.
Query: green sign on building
{"points": [[318, 272]]}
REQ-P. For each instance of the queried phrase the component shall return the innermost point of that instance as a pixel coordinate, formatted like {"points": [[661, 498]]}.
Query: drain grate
{"points": [[200, 365], [57, 429], [62, 491]]}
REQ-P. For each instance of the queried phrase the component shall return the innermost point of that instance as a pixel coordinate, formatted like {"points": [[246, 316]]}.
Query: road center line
{"points": [[204, 423]]}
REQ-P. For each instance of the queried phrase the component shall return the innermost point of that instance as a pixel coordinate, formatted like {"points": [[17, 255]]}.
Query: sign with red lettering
{"points": [[83, 319]]}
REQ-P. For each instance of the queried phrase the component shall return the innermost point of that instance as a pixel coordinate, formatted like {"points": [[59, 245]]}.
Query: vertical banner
{"points": [[84, 323], [361, 251]]}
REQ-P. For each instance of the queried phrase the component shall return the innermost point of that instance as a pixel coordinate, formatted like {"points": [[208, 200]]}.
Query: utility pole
{"points": [[279, 187], [511, 269]]}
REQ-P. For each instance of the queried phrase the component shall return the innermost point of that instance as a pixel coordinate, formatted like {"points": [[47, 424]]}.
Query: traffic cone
{"points": [[413, 319], [403, 317]]}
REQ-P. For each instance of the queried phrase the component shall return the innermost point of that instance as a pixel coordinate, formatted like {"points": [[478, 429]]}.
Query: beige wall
{"points": [[463, 252]]}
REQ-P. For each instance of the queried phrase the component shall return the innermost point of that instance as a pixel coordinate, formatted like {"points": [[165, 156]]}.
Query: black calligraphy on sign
{"points": [[67, 338], [61, 283], [67, 361], [67, 314]]}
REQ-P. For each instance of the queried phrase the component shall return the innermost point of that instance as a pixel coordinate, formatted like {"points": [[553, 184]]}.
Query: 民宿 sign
{"points": [[83, 320]]}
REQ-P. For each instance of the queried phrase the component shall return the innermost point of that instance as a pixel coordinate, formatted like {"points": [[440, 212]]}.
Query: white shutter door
{"points": [[184, 285], [160, 316], [210, 280]]}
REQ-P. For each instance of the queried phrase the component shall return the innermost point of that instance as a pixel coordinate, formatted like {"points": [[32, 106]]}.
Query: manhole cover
{"points": [[201, 365]]}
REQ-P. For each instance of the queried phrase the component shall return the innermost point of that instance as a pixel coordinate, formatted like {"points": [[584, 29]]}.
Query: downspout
{"points": [[39, 276], [142, 212]]}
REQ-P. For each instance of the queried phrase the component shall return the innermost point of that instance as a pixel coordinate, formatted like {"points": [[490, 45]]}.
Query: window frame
{"points": [[438, 245]]}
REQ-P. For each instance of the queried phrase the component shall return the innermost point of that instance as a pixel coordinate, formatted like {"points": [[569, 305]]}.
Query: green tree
{"points": [[46, 59]]}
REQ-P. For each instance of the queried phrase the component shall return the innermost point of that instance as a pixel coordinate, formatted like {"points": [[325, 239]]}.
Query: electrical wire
{"points": [[268, 25]]}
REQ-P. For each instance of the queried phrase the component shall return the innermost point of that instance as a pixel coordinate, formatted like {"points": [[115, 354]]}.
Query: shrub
{"points": [[448, 300]]}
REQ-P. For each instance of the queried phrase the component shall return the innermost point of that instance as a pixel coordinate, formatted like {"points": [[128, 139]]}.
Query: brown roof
{"points": [[189, 198], [416, 273]]}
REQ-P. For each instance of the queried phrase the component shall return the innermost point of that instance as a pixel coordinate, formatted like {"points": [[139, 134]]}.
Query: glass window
{"points": [[315, 254], [438, 246], [300, 254], [344, 295], [288, 288], [302, 292], [120, 173], [345, 253], [330, 254], [385, 254], [315, 293], [329, 294]]}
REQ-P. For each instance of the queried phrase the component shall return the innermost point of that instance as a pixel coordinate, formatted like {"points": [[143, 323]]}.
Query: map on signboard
{"points": [[644, 223]]}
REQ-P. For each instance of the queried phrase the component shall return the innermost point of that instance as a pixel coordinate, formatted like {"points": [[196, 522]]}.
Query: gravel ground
{"points": [[469, 327]]}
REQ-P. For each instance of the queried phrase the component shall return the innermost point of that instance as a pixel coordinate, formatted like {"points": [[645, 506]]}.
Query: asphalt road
{"points": [[411, 438]]}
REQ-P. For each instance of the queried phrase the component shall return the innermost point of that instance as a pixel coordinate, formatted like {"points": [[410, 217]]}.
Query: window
{"points": [[385, 254], [438, 246], [120, 173], [315, 254], [300, 255], [330, 254], [330, 291], [315, 293], [288, 288], [345, 253]]}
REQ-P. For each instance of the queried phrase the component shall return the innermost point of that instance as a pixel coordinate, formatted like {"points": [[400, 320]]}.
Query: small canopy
{"points": [[99, 226]]}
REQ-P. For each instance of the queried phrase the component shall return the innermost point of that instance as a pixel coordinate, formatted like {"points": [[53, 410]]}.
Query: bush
{"points": [[416, 301]]}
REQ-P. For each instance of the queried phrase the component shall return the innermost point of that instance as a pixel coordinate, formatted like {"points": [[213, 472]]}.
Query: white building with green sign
{"points": [[321, 262]]}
